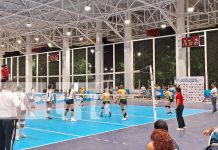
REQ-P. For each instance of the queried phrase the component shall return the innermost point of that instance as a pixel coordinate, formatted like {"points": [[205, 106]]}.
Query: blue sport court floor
{"points": [[43, 132]]}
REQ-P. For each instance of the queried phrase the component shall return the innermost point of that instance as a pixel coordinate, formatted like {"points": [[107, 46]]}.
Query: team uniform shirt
{"points": [[81, 91], [71, 94], [214, 92], [5, 72], [169, 95], [8, 104], [180, 97], [49, 96], [106, 97], [122, 93], [21, 96]]}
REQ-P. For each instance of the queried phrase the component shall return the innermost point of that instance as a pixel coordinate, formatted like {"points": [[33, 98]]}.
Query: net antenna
{"points": [[152, 92]]}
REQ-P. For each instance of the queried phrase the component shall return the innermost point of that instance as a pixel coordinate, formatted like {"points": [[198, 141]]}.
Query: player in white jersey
{"points": [[70, 96], [21, 120], [49, 101]]}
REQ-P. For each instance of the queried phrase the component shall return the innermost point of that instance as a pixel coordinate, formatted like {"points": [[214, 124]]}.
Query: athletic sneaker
{"points": [[49, 118], [124, 119], [64, 118], [32, 115], [17, 138], [184, 127], [73, 119], [101, 115], [110, 114], [23, 136], [179, 129]]}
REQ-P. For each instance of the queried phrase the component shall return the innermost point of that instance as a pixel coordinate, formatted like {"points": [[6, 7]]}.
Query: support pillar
{"points": [[128, 56], [28, 69], [65, 61], [181, 60], [98, 58], [1, 62]]}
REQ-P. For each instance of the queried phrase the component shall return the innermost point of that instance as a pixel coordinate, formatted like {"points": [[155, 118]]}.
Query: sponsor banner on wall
{"points": [[192, 87]]}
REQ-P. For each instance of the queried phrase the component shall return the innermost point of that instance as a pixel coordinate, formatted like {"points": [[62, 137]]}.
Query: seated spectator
{"points": [[160, 140], [161, 124], [213, 140]]}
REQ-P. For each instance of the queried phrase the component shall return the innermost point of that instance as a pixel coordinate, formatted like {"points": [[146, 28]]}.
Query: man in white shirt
{"points": [[213, 96], [9, 111]]}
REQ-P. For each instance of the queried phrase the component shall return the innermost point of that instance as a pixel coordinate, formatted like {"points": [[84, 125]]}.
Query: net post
{"points": [[153, 94]]}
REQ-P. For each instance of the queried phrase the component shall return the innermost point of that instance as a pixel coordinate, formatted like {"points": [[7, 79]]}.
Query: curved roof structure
{"points": [[46, 19]]}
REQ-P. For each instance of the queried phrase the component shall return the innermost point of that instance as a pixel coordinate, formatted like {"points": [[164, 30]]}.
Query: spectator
{"points": [[9, 113], [5, 73], [179, 110], [213, 96], [161, 124], [160, 140]]}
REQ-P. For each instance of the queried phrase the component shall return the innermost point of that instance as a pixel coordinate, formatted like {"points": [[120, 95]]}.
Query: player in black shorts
{"points": [[70, 96]]}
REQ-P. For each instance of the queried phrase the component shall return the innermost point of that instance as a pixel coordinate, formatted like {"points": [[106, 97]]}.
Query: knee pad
{"points": [[102, 107], [67, 110], [72, 110], [123, 109], [48, 109]]}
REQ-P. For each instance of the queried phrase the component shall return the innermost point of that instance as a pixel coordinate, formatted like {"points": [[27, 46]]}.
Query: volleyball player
{"points": [[21, 121], [81, 97], [122, 101], [31, 97], [70, 96], [106, 102], [169, 100], [49, 101]]}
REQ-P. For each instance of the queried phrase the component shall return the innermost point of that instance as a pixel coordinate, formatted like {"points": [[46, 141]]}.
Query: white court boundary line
{"points": [[110, 131]]}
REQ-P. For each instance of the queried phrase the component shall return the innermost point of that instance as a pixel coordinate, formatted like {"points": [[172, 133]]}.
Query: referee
{"points": [[9, 110]]}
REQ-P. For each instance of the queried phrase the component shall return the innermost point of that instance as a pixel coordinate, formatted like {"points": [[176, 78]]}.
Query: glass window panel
{"points": [[55, 82], [165, 60], [22, 83], [42, 84], [143, 57], [81, 80], [212, 55], [91, 83], [119, 79], [108, 58], [22, 65], [42, 64], [91, 60], [34, 65], [80, 61], [14, 67], [119, 57]]}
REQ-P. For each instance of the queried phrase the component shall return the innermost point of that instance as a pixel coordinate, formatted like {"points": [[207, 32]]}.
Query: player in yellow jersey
{"points": [[81, 97], [122, 101], [169, 100], [106, 102]]}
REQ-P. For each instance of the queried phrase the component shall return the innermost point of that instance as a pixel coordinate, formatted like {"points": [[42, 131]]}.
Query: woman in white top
{"points": [[24, 105], [70, 96], [49, 101]]}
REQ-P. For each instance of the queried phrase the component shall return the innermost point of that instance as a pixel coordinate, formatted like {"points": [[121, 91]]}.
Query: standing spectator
{"points": [[213, 96], [5, 73], [179, 109], [9, 112], [143, 90]]}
